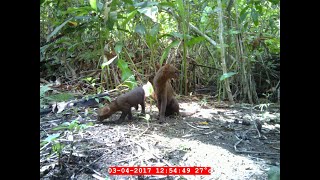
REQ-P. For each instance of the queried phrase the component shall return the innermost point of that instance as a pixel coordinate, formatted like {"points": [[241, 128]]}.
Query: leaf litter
{"points": [[214, 136]]}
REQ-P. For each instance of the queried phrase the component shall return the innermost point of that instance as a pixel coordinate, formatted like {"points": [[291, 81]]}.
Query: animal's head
{"points": [[171, 71], [104, 113]]}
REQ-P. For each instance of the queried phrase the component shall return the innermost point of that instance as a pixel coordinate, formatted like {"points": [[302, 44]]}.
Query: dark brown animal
{"points": [[124, 103], [164, 92]]}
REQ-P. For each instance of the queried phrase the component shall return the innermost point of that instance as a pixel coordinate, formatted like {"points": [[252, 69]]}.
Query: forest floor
{"points": [[225, 138]]}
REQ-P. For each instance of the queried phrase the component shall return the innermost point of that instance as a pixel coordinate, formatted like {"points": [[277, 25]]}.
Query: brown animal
{"points": [[124, 103], [164, 92]]}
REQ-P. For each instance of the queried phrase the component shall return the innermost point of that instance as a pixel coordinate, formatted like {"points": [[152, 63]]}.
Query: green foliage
{"points": [[60, 97], [44, 89], [140, 29], [89, 56], [43, 100], [93, 4], [127, 76], [149, 26], [167, 50], [50, 139], [195, 40], [57, 29], [203, 101], [118, 47], [129, 17], [274, 173], [150, 12], [155, 29], [73, 126], [227, 75], [255, 15]]}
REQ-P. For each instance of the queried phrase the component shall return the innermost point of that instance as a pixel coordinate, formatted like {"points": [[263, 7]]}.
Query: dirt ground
{"points": [[237, 142]]}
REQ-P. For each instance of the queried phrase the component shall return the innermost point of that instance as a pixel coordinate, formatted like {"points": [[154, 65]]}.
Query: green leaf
{"points": [[150, 12], [96, 99], [179, 35], [168, 4], [130, 82], [232, 31], [74, 125], [100, 6], [167, 50], [274, 2], [79, 11], [44, 89], [155, 29], [57, 147], [195, 40], [60, 97], [259, 8], [243, 16], [227, 75], [110, 23], [41, 1], [243, 13], [145, 4], [245, 26], [52, 137], [57, 29], [125, 71], [128, 2], [274, 173], [107, 98], [255, 15], [181, 8], [93, 4], [118, 47], [130, 16], [60, 127], [140, 29]]}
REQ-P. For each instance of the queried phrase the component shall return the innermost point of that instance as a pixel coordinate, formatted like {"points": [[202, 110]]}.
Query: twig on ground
{"points": [[141, 133], [91, 163], [44, 146], [42, 122], [275, 148], [44, 130], [193, 126], [251, 152], [166, 162], [197, 134], [98, 177]]}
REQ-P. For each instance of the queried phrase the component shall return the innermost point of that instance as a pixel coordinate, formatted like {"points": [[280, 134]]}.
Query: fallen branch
{"points": [[250, 152], [84, 102], [194, 126]]}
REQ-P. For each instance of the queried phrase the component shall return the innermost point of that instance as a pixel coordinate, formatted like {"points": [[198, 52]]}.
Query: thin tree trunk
{"points": [[244, 74], [223, 61]]}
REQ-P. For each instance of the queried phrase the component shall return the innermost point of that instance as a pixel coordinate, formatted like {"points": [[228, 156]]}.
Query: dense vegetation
{"points": [[229, 48]]}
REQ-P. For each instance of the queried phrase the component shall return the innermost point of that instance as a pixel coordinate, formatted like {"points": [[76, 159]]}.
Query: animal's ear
{"points": [[158, 66], [166, 66]]}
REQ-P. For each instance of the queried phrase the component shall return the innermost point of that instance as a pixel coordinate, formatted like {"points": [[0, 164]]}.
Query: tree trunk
{"points": [[223, 61]]}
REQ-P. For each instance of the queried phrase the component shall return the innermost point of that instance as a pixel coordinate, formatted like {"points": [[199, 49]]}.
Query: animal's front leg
{"points": [[129, 114], [123, 116], [163, 107], [143, 105]]}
